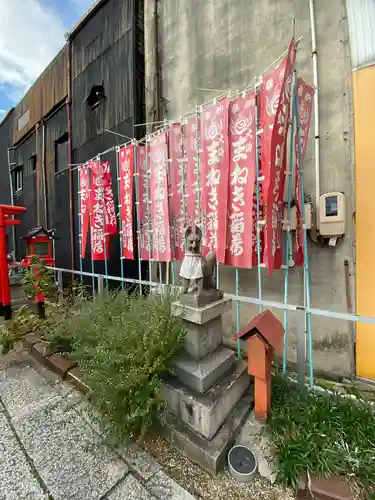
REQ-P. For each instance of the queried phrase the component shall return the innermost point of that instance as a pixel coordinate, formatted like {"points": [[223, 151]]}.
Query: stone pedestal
{"points": [[207, 398]]}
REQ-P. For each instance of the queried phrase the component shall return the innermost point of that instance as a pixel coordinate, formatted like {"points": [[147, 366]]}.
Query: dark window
{"points": [[95, 96], [18, 178], [33, 163], [61, 153]]}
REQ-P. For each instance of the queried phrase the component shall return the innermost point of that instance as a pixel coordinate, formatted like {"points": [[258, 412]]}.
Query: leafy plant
{"points": [[123, 345], [323, 434], [38, 278]]}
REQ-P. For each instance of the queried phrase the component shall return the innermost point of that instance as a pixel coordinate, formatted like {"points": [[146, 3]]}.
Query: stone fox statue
{"points": [[195, 267]]}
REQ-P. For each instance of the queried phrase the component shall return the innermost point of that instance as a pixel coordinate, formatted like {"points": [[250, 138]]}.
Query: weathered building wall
{"points": [[361, 17], [28, 196], [49, 89], [6, 132], [221, 44], [108, 51]]}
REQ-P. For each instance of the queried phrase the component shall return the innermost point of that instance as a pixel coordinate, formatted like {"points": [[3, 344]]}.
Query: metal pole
{"points": [[137, 218], [104, 225], [100, 284], [258, 222], [89, 166], [119, 217], [60, 285], [306, 255], [171, 230], [148, 224], [288, 242], [80, 222]]}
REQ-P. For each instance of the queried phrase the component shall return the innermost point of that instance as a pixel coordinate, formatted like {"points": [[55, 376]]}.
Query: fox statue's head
{"points": [[193, 238]]}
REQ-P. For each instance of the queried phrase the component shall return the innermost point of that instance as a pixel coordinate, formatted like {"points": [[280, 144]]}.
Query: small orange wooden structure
{"points": [[264, 335]]}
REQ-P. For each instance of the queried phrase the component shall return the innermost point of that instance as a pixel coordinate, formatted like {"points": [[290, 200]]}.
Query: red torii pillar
{"points": [[6, 211]]}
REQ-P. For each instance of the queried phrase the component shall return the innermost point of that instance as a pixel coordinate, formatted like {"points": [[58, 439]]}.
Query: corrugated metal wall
{"points": [[6, 131], [361, 20], [49, 89], [28, 197], [108, 48]]}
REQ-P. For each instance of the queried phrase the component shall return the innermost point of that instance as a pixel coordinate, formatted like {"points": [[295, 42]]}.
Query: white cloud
{"points": [[30, 37]]}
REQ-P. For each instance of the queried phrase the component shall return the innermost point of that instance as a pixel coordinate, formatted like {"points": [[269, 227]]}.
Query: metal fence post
{"points": [[100, 284], [60, 286], [301, 346]]}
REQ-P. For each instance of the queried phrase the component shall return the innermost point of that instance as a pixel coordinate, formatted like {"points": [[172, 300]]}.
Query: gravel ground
{"points": [[202, 485]]}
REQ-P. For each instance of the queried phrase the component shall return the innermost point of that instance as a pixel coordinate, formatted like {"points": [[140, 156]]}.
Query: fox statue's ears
{"points": [[195, 230]]}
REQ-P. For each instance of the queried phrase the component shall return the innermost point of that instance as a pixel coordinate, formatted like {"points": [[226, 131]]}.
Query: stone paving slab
{"points": [[130, 489], [22, 386], [67, 453], [63, 448], [139, 460], [165, 488], [16, 478]]}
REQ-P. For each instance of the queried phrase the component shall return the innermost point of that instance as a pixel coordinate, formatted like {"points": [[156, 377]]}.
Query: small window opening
{"points": [[33, 163], [95, 96], [18, 178]]}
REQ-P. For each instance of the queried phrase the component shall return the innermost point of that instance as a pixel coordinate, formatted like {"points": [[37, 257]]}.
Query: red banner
{"points": [[178, 187], [269, 102], [97, 212], [109, 202], [126, 162], [143, 205], [84, 189], [161, 244], [192, 178], [305, 94], [242, 154], [275, 194], [214, 175]]}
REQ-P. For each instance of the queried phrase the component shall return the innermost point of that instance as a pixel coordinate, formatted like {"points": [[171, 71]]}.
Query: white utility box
{"points": [[293, 217], [332, 215]]}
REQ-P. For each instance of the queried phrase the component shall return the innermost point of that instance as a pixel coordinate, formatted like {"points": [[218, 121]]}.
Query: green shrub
{"points": [[38, 277], [323, 434], [123, 345]]}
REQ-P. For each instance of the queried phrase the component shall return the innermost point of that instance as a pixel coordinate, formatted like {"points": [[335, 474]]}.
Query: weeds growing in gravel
{"points": [[322, 434], [123, 345]]}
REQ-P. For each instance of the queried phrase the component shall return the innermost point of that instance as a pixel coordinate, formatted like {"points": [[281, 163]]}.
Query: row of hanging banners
{"points": [[203, 171]]}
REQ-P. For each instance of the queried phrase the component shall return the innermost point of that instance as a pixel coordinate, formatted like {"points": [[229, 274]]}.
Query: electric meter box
{"points": [[293, 217], [332, 215]]}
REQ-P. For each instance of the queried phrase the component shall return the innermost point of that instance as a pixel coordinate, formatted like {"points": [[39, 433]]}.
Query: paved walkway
{"points": [[50, 447]]}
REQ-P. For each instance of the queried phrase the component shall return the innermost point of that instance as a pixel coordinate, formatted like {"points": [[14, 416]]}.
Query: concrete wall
{"points": [[224, 44]]}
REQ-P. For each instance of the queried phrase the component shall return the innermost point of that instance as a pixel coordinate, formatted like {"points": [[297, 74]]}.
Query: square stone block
{"points": [[202, 340], [205, 413], [211, 455], [201, 315], [201, 375]]}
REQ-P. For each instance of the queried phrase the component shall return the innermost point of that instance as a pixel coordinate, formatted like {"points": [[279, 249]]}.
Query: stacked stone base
{"points": [[208, 398]]}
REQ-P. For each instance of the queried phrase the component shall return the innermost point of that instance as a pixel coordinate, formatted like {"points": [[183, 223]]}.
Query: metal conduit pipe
{"points": [[316, 109]]}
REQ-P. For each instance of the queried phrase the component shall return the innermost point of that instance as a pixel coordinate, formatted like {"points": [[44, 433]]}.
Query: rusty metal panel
{"points": [[49, 89], [115, 69], [109, 24]]}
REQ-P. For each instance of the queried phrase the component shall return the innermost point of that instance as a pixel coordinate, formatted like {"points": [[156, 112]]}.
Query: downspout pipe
{"points": [[70, 148], [11, 191], [316, 109], [44, 175]]}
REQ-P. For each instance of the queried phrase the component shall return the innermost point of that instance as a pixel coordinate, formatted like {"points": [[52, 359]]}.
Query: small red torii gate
{"points": [[6, 220]]}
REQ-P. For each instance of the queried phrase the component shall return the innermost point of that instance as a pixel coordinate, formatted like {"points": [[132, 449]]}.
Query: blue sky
{"points": [[31, 34]]}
